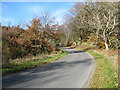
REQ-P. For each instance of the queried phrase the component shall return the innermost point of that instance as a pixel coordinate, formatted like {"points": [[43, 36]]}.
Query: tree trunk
{"points": [[81, 39], [106, 46], [105, 39]]}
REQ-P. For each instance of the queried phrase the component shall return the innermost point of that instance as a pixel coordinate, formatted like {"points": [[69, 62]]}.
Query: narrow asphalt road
{"points": [[73, 71]]}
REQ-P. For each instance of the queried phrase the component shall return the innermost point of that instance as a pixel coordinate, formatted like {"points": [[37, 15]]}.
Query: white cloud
{"points": [[34, 9], [59, 20], [59, 15], [60, 12], [6, 21]]}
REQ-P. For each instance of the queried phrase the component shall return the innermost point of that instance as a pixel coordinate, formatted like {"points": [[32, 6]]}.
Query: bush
{"points": [[18, 42]]}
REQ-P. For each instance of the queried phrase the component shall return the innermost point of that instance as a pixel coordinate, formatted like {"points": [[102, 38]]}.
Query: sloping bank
{"points": [[12, 68], [106, 75]]}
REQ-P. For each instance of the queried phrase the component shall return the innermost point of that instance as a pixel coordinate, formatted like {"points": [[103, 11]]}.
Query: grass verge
{"points": [[105, 75], [12, 68]]}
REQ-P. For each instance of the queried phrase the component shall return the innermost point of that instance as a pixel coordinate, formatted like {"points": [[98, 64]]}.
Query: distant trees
{"points": [[94, 19]]}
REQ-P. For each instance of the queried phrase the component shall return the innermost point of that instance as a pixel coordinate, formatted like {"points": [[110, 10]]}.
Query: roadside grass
{"points": [[0, 44], [15, 67], [106, 73]]}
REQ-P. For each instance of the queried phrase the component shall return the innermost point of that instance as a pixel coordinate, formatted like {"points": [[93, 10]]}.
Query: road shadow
{"points": [[48, 70], [75, 51]]}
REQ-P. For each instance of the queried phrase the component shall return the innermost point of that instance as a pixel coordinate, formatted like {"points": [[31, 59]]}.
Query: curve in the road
{"points": [[73, 71]]}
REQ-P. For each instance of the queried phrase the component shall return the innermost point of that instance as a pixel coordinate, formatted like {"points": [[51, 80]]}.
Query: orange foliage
{"points": [[19, 42]]}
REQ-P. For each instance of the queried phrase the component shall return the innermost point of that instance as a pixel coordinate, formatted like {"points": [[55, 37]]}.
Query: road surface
{"points": [[73, 71]]}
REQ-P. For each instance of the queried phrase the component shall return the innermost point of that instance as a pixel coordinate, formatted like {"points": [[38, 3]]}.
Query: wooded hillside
{"points": [[93, 22]]}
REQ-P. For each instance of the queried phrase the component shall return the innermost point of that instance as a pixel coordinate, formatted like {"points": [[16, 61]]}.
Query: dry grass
{"points": [[106, 73], [19, 65], [110, 54], [31, 57]]}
